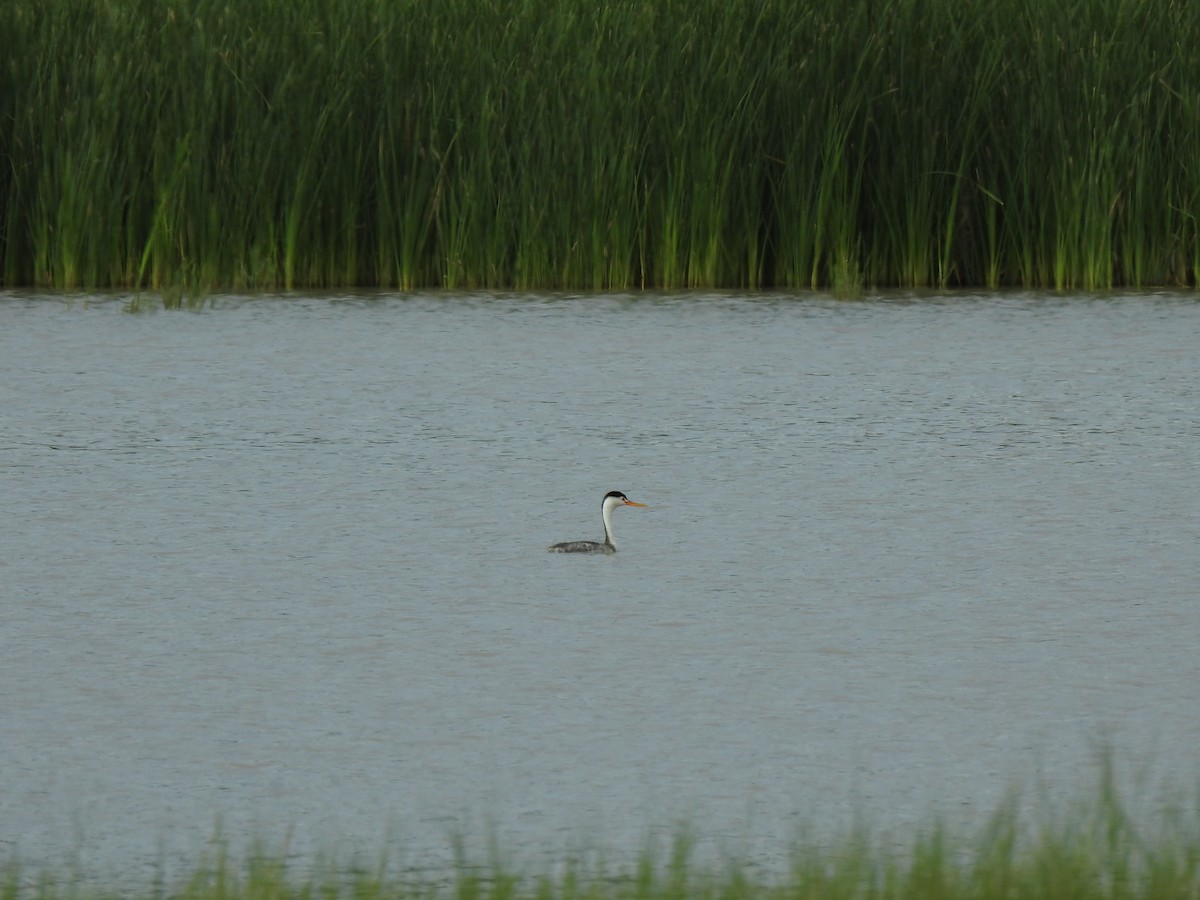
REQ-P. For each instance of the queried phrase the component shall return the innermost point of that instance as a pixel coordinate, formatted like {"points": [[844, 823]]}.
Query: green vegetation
{"points": [[599, 144], [1092, 851]]}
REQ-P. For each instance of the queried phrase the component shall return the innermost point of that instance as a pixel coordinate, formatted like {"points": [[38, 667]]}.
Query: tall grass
{"points": [[558, 143], [1095, 849]]}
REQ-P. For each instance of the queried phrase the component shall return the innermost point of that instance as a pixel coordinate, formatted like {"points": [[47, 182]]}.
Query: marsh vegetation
{"points": [[541, 144], [1094, 851]]}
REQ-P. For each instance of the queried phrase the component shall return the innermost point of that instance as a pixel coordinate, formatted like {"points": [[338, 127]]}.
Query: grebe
{"points": [[612, 500]]}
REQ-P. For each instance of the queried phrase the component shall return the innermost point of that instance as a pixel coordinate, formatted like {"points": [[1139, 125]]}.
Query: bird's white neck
{"points": [[607, 511]]}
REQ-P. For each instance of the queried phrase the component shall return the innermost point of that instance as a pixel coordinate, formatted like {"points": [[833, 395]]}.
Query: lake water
{"points": [[276, 568]]}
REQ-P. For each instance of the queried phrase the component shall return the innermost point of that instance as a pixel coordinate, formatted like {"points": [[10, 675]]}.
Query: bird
{"points": [[612, 500]]}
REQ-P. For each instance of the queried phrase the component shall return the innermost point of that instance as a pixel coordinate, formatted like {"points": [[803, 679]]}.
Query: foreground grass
{"points": [[1094, 851], [543, 143]]}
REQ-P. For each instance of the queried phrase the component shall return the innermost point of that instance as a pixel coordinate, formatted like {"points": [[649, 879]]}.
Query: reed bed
{"points": [[1096, 848], [1097, 853], [599, 145]]}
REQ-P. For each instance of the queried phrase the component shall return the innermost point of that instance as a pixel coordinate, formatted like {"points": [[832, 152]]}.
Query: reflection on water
{"points": [[280, 564]]}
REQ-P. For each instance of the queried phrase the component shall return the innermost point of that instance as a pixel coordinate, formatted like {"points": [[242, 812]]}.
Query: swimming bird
{"points": [[612, 500]]}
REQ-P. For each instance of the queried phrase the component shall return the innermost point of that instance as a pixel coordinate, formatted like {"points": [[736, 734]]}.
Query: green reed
{"points": [[1095, 849], [542, 143]]}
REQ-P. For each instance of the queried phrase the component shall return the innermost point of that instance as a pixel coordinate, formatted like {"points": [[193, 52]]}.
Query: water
{"points": [[276, 569]]}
